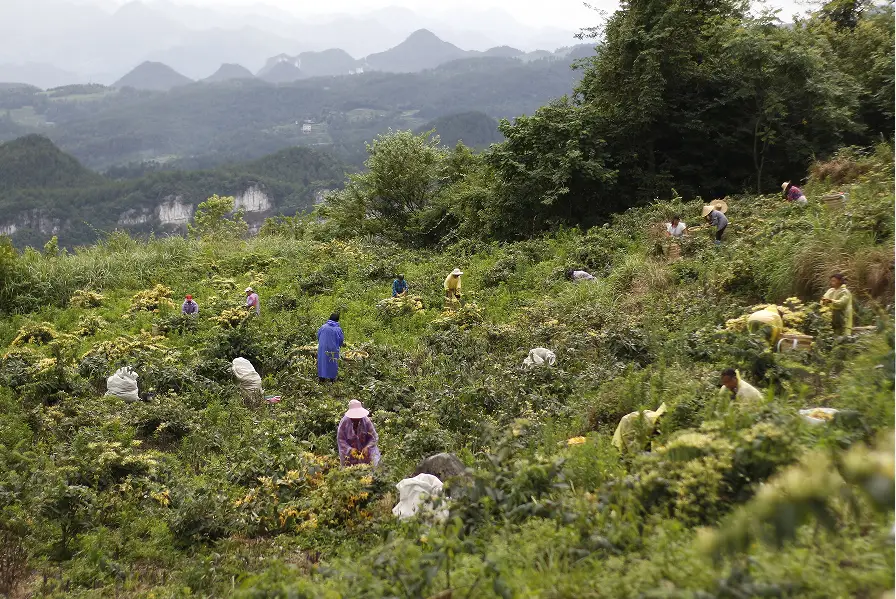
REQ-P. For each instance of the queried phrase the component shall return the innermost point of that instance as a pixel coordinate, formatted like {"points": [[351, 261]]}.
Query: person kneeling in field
{"points": [[635, 430], [739, 389], [356, 437], [399, 287], [676, 228]]}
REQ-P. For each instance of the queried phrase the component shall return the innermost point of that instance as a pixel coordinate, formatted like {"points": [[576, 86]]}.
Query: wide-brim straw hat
{"points": [[249, 290], [356, 410], [720, 205], [457, 272], [784, 185]]}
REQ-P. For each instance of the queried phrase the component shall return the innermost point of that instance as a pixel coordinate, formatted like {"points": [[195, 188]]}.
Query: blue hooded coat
{"points": [[329, 339]]}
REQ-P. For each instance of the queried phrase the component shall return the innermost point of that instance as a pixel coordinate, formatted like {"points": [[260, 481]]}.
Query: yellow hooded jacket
{"points": [[627, 438], [767, 317]]}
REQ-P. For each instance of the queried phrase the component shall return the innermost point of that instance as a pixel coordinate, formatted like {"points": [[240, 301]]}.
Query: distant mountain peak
{"points": [[154, 76], [229, 72], [422, 34], [421, 50]]}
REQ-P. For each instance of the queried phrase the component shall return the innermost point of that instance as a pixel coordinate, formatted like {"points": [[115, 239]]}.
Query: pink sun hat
{"points": [[356, 409]]}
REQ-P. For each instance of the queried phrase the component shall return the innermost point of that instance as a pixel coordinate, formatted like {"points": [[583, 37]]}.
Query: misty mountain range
{"points": [[422, 50], [50, 43]]}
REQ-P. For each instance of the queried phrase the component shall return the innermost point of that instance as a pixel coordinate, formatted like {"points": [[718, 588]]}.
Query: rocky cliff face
{"points": [[37, 220], [253, 199], [173, 211]]}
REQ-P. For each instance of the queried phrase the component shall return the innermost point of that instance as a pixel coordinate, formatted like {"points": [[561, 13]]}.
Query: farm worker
{"points": [[635, 429], [739, 389], [329, 339], [715, 216], [839, 299], [792, 193], [356, 437], [767, 321], [189, 307], [399, 286], [452, 285], [676, 228], [252, 300], [580, 275]]}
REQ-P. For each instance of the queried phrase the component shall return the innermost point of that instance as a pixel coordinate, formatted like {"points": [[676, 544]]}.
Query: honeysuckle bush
{"points": [[193, 493]]}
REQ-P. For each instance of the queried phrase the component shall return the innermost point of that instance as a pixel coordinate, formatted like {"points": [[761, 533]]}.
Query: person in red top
{"points": [[792, 193], [252, 300]]}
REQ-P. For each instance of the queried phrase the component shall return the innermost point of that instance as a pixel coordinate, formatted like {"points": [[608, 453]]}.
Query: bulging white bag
{"points": [[412, 492], [123, 384], [248, 379], [540, 356]]}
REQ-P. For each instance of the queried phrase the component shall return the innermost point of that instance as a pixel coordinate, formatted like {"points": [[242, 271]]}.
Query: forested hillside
{"points": [[48, 193], [33, 162], [239, 120], [631, 415]]}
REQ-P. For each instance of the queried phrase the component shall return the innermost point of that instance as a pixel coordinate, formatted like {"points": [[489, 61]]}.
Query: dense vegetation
{"points": [[200, 491], [33, 162], [47, 192], [195, 493], [473, 129]]}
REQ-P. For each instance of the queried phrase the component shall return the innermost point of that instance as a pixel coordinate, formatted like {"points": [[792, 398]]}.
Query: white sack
{"points": [[249, 380], [539, 357], [412, 492], [123, 384]]}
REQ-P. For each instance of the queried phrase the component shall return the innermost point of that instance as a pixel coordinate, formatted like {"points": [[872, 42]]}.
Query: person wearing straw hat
{"points": [[839, 299], [715, 216], [452, 285], [792, 193], [189, 307], [252, 300], [356, 437]]}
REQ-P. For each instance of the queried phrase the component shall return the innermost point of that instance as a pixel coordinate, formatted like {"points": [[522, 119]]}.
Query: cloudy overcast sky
{"points": [[559, 13]]}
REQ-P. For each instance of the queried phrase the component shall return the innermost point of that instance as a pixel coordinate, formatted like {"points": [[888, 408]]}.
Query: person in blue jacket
{"points": [[329, 339], [399, 286]]}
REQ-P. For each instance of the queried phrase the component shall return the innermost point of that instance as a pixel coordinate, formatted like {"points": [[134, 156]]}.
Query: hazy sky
{"points": [[561, 13]]}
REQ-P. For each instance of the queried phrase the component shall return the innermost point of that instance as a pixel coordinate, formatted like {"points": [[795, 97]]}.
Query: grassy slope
{"points": [[646, 332]]}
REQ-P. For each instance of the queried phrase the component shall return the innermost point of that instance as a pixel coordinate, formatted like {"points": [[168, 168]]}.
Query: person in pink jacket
{"points": [[356, 437]]}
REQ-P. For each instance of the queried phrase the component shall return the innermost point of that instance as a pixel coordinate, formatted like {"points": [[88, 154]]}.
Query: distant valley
{"points": [[323, 100]]}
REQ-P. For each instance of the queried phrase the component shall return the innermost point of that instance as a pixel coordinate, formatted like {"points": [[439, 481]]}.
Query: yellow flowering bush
{"points": [[318, 492], [89, 325], [135, 348], [232, 318], [83, 298], [35, 334], [398, 306], [152, 300], [462, 317]]}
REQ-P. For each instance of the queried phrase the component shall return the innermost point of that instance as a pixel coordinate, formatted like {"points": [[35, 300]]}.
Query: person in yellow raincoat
{"points": [[452, 285], [839, 299], [767, 321], [634, 430], [739, 389]]}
